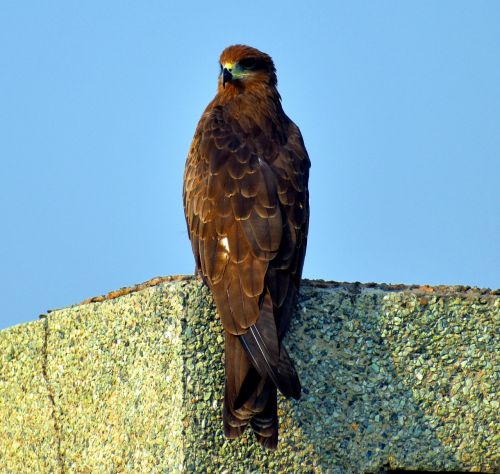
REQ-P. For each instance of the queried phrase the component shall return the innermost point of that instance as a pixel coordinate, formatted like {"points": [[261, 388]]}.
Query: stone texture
{"points": [[393, 377], [28, 437]]}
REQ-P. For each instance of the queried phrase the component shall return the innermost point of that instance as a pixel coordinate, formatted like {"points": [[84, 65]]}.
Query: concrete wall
{"points": [[393, 377]]}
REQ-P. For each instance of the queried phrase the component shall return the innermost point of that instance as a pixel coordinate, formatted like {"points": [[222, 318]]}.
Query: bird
{"points": [[246, 203]]}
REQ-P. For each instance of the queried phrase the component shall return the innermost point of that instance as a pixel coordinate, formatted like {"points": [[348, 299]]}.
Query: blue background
{"points": [[398, 102]]}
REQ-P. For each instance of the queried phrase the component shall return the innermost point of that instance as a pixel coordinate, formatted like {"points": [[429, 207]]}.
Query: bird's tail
{"points": [[256, 366], [265, 423], [248, 397]]}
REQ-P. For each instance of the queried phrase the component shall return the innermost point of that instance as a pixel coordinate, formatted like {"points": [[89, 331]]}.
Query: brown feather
{"points": [[246, 204]]}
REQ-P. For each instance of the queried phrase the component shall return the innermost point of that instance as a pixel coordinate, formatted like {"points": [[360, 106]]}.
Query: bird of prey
{"points": [[246, 203]]}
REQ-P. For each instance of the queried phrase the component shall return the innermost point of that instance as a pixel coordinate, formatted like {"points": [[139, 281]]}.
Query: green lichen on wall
{"points": [[392, 379]]}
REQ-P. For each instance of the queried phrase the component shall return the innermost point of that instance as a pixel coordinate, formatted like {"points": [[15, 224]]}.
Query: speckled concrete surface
{"points": [[28, 440], [392, 379]]}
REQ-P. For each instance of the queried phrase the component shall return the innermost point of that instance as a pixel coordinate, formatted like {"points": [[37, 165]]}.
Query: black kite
{"points": [[247, 209]]}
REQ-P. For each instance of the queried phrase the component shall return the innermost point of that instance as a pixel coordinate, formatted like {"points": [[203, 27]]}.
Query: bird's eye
{"points": [[248, 63]]}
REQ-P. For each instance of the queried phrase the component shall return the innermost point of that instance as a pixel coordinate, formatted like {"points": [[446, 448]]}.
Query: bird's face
{"points": [[244, 69], [243, 66]]}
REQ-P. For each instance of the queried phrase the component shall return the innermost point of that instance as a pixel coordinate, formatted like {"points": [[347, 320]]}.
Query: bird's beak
{"points": [[226, 77]]}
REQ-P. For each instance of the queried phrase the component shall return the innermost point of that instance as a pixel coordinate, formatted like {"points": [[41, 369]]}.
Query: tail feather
{"points": [[265, 424], [288, 375], [241, 401], [269, 359], [247, 388], [257, 365]]}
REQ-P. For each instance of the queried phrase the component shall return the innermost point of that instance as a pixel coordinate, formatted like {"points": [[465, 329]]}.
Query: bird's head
{"points": [[243, 67]]}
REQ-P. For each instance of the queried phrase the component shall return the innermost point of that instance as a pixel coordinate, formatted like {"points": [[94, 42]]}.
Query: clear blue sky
{"points": [[398, 102]]}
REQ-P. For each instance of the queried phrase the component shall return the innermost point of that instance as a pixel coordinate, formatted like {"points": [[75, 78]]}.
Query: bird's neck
{"points": [[255, 102]]}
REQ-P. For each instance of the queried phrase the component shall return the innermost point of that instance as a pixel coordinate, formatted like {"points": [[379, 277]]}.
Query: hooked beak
{"points": [[226, 77]]}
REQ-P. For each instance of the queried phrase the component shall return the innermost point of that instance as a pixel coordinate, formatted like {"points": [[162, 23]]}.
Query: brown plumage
{"points": [[247, 209]]}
